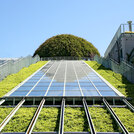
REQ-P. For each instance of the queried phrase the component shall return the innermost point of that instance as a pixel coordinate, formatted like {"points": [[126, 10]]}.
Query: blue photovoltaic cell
{"points": [[68, 78]]}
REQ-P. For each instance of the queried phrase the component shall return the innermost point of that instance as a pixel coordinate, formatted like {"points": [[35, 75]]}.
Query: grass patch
{"points": [[13, 80], [4, 112], [48, 120], [75, 120], [115, 79], [102, 120], [126, 117], [20, 121]]}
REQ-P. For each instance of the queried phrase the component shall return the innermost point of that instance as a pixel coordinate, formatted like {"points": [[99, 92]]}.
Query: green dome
{"points": [[66, 45]]}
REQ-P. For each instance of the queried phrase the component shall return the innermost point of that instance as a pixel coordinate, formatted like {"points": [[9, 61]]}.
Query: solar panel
{"points": [[66, 78]]}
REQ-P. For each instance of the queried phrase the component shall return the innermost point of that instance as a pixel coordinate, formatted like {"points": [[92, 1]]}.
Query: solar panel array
{"points": [[65, 78]]}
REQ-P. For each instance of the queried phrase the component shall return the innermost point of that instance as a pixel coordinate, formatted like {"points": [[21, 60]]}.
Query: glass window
{"points": [[40, 88], [72, 88], [57, 84], [108, 93], [100, 84], [24, 88], [104, 88], [33, 80], [55, 93], [72, 84], [29, 84], [90, 93], [37, 93], [96, 80], [17, 93], [72, 93], [88, 88], [57, 88], [46, 84], [83, 84]]}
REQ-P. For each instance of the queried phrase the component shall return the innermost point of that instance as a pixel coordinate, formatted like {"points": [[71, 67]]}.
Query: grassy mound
{"points": [[66, 45], [13, 80], [117, 80]]}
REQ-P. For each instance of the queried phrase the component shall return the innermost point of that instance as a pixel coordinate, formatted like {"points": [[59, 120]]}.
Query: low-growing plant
{"points": [[20, 121], [13, 80], [4, 112], [75, 120], [102, 120], [48, 120], [126, 117]]}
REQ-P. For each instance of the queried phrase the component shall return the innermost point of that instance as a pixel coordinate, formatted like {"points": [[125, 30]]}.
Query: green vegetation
{"points": [[13, 80], [102, 120], [48, 120], [20, 120], [75, 120], [117, 80], [66, 45], [129, 32], [4, 112], [126, 117]]}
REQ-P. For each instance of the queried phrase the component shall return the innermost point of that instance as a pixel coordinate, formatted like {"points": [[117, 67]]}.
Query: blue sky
{"points": [[25, 24]]}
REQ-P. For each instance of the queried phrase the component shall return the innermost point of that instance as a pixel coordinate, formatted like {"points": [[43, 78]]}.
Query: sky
{"points": [[26, 24]]}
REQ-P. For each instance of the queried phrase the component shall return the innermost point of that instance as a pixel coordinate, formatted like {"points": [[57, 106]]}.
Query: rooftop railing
{"points": [[123, 28]]}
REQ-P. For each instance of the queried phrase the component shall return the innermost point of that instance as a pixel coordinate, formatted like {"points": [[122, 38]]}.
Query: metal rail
{"points": [[6, 120], [91, 125], [129, 105], [61, 124], [2, 101], [31, 126], [125, 131]]}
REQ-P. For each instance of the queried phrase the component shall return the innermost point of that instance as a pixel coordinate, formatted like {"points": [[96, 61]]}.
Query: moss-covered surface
{"points": [[4, 112], [66, 45], [75, 120], [102, 120], [20, 121], [117, 80], [48, 120], [126, 117], [13, 80]]}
